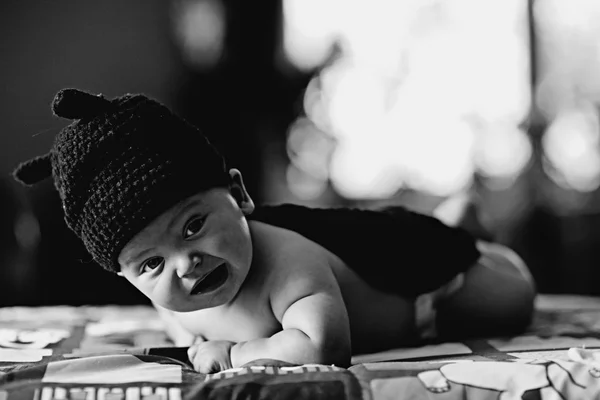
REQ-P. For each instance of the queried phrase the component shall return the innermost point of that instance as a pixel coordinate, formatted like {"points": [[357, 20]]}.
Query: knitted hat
{"points": [[121, 164]]}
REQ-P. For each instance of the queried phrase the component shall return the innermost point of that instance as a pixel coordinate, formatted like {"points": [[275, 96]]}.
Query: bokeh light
{"points": [[411, 76], [308, 32], [568, 92], [571, 145], [503, 152], [200, 31]]}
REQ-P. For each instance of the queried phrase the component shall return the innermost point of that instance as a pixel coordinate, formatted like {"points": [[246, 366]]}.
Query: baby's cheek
{"points": [[162, 293], [234, 245]]}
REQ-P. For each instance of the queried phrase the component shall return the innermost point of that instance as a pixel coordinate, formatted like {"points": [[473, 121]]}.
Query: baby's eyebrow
{"points": [[137, 256], [182, 212]]}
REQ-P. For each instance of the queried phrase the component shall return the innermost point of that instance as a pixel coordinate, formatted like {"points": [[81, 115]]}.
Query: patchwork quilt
{"points": [[123, 353]]}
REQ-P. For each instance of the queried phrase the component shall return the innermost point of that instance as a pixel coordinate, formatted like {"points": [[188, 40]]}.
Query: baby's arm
{"points": [[314, 320]]}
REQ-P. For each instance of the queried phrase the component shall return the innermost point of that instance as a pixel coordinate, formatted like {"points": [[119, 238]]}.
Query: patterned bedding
{"points": [[122, 353]]}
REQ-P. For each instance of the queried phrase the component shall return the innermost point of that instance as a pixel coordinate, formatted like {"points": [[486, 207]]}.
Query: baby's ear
{"points": [[239, 192]]}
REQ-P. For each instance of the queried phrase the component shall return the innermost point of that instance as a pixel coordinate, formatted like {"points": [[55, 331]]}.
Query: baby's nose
{"points": [[188, 266]]}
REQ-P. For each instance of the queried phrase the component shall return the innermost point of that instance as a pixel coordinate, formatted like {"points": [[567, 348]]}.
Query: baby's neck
{"points": [[263, 250]]}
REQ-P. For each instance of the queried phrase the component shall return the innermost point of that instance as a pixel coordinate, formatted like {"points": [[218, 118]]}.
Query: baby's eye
{"points": [[192, 227], [151, 264]]}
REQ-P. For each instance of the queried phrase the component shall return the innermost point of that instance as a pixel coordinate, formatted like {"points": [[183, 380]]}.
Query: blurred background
{"points": [[489, 109]]}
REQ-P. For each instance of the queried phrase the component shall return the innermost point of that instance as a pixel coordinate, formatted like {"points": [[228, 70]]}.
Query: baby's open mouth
{"points": [[212, 281]]}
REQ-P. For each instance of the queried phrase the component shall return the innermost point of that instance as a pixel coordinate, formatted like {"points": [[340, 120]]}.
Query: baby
{"points": [[154, 202]]}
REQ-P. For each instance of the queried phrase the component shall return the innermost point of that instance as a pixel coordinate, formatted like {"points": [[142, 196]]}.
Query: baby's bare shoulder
{"points": [[297, 267]]}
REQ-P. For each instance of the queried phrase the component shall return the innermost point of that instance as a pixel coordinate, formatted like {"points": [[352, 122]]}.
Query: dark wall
{"points": [[113, 47], [108, 46]]}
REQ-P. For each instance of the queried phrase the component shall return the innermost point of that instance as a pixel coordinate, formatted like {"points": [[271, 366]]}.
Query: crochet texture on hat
{"points": [[119, 165]]}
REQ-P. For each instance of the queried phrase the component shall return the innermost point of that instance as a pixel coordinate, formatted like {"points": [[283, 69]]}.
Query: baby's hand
{"points": [[210, 356]]}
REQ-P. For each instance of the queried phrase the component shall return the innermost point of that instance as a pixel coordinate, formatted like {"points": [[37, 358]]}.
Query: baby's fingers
{"points": [[205, 366], [193, 349], [191, 353], [203, 363]]}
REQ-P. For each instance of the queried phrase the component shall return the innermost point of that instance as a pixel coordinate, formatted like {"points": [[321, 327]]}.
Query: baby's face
{"points": [[194, 256]]}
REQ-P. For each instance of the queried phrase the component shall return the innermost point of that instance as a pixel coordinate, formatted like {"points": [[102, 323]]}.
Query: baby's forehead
{"points": [[150, 232], [142, 240], [203, 201]]}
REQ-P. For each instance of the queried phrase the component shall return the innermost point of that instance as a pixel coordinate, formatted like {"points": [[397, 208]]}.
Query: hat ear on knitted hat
{"points": [[77, 104], [70, 104], [34, 171], [119, 164]]}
